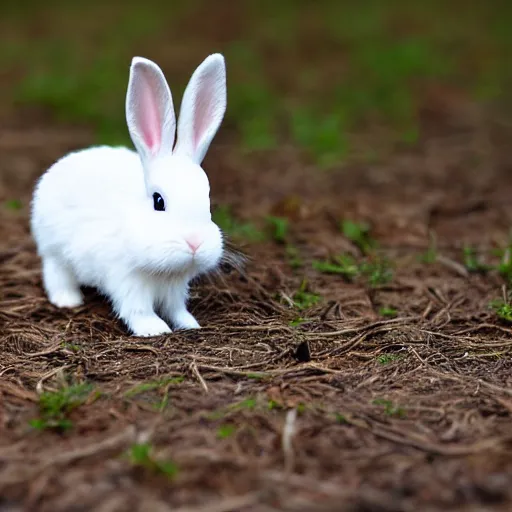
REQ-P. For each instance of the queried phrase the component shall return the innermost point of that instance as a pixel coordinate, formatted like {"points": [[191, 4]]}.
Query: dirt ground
{"points": [[349, 410], [428, 430]]}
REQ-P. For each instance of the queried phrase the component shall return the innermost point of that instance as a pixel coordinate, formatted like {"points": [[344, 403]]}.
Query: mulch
{"points": [[343, 410]]}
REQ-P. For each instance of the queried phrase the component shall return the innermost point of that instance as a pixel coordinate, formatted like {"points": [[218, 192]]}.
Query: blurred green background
{"points": [[334, 79]]}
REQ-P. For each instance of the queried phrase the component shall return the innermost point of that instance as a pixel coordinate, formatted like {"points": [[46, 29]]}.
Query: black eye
{"points": [[158, 202]]}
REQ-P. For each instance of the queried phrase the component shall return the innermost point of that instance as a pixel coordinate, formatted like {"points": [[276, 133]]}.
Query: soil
{"points": [[349, 410]]}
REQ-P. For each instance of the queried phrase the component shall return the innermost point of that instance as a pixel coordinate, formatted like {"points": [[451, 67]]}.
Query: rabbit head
{"points": [[177, 190]]}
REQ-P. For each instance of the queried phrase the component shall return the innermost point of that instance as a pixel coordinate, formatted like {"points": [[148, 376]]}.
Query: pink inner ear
{"points": [[148, 115], [203, 109]]}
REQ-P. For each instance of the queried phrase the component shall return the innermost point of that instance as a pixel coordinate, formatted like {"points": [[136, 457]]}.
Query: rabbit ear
{"points": [[202, 108], [149, 109]]}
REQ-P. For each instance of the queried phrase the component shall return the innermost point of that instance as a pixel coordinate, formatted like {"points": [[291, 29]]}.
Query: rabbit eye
{"points": [[158, 202]]}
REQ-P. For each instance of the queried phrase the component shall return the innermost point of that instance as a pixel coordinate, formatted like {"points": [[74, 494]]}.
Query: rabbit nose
{"points": [[194, 242]]}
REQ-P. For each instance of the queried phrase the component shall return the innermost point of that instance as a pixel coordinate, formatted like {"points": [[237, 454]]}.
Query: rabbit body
{"points": [[136, 225]]}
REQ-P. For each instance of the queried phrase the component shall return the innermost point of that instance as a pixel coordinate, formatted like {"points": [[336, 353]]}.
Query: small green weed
{"points": [[145, 387], [279, 227], [55, 406], [257, 376], [388, 358], [430, 256], [343, 264], [13, 204], [340, 418], [296, 322], [359, 234], [248, 403], [471, 261], [225, 431], [292, 254], [388, 311], [505, 264], [303, 299], [224, 218], [502, 309], [161, 405], [272, 404], [377, 271], [140, 455], [389, 408], [71, 346]]}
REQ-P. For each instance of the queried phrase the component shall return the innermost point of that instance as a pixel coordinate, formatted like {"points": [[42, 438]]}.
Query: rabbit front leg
{"points": [[133, 302], [174, 305]]}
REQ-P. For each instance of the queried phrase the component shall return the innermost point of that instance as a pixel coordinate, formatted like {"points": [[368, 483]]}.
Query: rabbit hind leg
{"points": [[60, 284]]}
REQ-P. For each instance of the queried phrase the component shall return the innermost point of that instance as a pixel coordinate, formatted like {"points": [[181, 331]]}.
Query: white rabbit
{"points": [[137, 225]]}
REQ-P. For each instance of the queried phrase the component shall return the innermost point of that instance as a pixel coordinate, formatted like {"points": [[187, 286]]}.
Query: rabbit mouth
{"points": [[179, 260], [188, 266]]}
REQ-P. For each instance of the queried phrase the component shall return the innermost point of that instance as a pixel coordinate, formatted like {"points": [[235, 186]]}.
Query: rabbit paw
{"points": [[61, 285], [149, 326], [184, 320], [66, 298]]}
